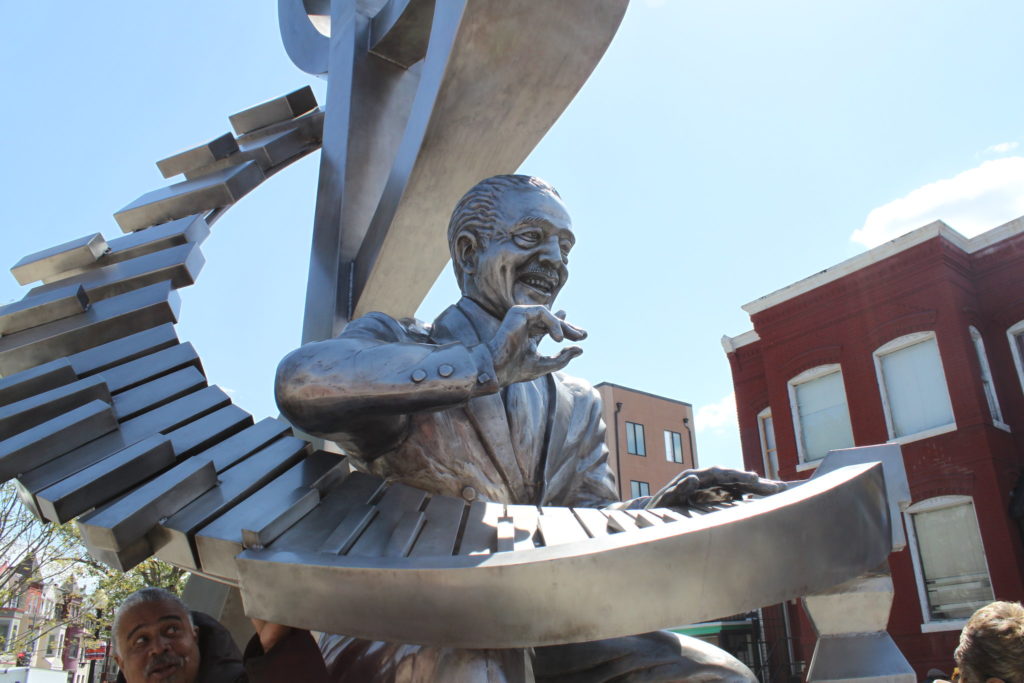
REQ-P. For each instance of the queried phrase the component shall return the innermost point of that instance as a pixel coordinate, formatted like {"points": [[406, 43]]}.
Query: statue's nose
{"points": [[551, 252]]}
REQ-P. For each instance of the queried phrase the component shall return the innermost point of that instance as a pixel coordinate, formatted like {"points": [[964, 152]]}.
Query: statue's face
{"points": [[526, 255]]}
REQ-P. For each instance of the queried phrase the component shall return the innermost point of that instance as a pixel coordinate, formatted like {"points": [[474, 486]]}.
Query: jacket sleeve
{"points": [[295, 658], [360, 388]]}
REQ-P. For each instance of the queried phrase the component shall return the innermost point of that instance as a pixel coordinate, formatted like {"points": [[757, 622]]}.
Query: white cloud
{"points": [[717, 417], [1003, 147], [972, 202]]}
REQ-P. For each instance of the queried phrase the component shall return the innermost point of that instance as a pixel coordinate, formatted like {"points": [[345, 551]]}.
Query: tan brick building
{"points": [[650, 438]]}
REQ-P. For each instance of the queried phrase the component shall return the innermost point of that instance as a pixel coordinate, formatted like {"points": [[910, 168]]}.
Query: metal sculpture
{"points": [[105, 415]]}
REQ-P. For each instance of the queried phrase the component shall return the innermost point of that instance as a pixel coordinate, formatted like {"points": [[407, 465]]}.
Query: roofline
{"points": [[645, 393], [882, 252], [730, 344]]}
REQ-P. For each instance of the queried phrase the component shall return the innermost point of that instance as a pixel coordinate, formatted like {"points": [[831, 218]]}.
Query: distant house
{"points": [[920, 342]]}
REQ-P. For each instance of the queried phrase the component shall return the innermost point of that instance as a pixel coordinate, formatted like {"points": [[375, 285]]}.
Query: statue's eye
{"points": [[528, 237]]}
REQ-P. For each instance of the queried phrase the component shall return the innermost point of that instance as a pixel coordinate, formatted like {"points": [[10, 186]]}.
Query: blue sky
{"points": [[720, 151]]}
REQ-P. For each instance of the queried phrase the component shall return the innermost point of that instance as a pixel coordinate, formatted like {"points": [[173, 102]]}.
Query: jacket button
{"points": [[469, 493], [419, 375], [445, 370]]}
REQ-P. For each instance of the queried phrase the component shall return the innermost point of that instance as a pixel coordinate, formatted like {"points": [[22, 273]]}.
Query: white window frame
{"points": [[670, 447], [807, 376], [928, 625], [1012, 333], [771, 469], [895, 345], [988, 382]]}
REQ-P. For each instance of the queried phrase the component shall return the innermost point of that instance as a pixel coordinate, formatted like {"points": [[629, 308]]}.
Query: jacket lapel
{"points": [[485, 413], [558, 464]]}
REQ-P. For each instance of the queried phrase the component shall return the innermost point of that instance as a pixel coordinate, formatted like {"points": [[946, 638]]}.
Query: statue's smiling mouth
{"points": [[541, 282]]}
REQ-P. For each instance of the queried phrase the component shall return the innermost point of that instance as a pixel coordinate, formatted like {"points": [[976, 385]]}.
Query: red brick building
{"points": [[650, 438], [919, 341]]}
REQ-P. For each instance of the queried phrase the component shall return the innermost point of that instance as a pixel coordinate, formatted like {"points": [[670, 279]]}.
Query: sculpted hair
{"points": [[142, 595], [992, 644], [479, 208]]}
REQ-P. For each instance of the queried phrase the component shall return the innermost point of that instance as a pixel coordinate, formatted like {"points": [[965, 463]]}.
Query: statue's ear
{"points": [[465, 251]]}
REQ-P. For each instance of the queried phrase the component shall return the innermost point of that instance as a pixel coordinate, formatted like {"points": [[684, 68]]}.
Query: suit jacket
{"points": [[421, 405]]}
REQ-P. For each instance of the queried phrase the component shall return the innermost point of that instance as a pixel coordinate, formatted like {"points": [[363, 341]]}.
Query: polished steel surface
{"points": [[565, 593], [866, 657], [55, 437], [198, 156], [55, 304], [27, 383], [274, 111], [69, 256]]}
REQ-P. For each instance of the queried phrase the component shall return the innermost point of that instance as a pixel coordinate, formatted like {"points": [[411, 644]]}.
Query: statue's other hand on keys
{"points": [[710, 485]]}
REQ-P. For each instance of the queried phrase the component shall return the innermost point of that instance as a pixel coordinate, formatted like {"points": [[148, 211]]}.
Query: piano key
{"points": [[349, 529], [219, 541], [191, 229], [287, 517], [251, 439], [29, 412], [644, 518], [122, 522], [311, 531], [163, 419], [480, 535], [123, 560], [22, 385], [670, 515], [79, 253], [204, 154], [179, 265], [56, 304], [55, 437], [506, 535], [105, 321], [524, 521], [190, 197], [134, 402], [209, 430], [440, 532], [559, 525], [268, 152], [123, 350], [143, 369], [618, 520], [593, 520], [106, 479], [274, 111], [399, 499], [406, 531], [172, 538]]}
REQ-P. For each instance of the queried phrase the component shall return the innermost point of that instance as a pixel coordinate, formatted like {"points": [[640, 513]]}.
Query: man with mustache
{"points": [[468, 407], [156, 638]]}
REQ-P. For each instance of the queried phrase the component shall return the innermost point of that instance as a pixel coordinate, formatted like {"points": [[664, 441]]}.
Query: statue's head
{"points": [[510, 238]]}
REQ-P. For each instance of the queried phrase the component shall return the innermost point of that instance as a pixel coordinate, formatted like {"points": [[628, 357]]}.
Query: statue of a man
{"points": [[469, 407]]}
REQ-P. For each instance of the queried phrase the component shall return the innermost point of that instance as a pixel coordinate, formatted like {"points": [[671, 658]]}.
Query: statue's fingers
{"points": [[765, 487], [546, 364], [716, 476], [572, 332], [679, 493]]}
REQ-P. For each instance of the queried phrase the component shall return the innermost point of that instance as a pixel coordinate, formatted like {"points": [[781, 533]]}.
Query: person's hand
{"points": [[709, 484], [269, 634], [514, 346]]}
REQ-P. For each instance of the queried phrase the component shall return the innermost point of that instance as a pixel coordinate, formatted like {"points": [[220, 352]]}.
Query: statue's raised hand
{"points": [[709, 484], [514, 346]]}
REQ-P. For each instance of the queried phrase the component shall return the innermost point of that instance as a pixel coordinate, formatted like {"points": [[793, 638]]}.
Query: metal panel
{"points": [[106, 479], [480, 534], [441, 527], [29, 412], [123, 350], [314, 529], [180, 265], [559, 525], [173, 537], [593, 520], [55, 437], [123, 522], [398, 500], [565, 593], [102, 323], [286, 517], [190, 197], [268, 151], [22, 385], [134, 373], [164, 236], [72, 255], [234, 449], [134, 402], [221, 540], [525, 520], [209, 430], [274, 111], [204, 154], [56, 304]]}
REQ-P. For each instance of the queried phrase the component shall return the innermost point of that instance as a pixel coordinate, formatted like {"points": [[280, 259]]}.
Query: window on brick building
{"points": [[673, 446], [635, 439], [986, 379], [1016, 337], [820, 415], [639, 488], [769, 453], [913, 387], [949, 560]]}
